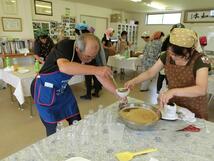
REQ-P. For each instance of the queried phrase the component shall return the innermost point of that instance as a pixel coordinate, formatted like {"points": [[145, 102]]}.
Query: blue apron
{"points": [[54, 98]]}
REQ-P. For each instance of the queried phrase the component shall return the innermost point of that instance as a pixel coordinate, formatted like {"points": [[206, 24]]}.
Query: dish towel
{"points": [[185, 114]]}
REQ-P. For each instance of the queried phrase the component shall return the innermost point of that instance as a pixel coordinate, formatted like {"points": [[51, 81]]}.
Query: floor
{"points": [[18, 130]]}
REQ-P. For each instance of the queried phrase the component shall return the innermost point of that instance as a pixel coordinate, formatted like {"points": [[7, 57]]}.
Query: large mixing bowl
{"points": [[139, 116]]}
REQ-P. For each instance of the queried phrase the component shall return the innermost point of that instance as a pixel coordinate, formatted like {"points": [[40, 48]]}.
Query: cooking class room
{"points": [[116, 80]]}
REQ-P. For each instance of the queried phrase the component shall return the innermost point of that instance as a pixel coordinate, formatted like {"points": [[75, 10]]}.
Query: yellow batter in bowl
{"points": [[139, 115]]}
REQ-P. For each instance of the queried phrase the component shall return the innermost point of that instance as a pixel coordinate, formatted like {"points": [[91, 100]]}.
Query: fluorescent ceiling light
{"points": [[43, 6], [156, 5], [136, 0]]}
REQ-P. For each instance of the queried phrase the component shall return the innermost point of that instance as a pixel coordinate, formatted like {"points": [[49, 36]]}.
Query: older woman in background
{"points": [[151, 53]]}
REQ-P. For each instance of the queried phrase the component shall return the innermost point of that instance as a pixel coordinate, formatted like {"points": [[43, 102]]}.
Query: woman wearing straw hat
{"points": [[186, 71]]}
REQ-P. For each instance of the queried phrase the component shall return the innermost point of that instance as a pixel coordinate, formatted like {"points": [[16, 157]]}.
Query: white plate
{"points": [[8, 69], [132, 58], [170, 118], [22, 71], [77, 159]]}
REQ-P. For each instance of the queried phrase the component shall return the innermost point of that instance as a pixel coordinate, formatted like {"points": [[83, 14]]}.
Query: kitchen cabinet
{"points": [[131, 29]]}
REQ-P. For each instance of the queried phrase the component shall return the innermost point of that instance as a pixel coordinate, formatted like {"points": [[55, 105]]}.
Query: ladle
{"points": [[115, 83]]}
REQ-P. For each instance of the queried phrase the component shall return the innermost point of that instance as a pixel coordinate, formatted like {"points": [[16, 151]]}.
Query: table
{"points": [[22, 82], [121, 62], [91, 138]]}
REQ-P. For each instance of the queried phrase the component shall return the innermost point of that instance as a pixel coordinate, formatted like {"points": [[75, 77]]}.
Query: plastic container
{"points": [[36, 66]]}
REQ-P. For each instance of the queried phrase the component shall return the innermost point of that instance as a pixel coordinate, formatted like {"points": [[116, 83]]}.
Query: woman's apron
{"points": [[181, 77], [54, 98]]}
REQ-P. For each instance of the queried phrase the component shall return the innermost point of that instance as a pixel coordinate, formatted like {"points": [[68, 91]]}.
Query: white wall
{"points": [[27, 14], [23, 12], [76, 9], [164, 28]]}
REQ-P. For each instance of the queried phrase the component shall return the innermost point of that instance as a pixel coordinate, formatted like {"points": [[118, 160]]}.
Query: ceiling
{"points": [[128, 6]]}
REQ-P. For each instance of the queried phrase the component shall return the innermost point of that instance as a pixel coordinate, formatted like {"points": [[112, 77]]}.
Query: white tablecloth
{"points": [[119, 62], [92, 139], [22, 82]]}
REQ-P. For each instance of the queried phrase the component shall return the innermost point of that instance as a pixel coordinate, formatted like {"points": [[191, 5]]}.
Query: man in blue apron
{"points": [[50, 90]]}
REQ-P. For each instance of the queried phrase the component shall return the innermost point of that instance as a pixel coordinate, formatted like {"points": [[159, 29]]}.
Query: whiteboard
{"points": [[206, 31], [99, 23]]}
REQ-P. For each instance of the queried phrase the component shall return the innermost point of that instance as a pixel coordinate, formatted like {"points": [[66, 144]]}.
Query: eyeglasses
{"points": [[88, 57], [144, 37]]}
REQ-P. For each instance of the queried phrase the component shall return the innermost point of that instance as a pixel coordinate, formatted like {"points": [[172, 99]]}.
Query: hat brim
{"points": [[144, 36]]}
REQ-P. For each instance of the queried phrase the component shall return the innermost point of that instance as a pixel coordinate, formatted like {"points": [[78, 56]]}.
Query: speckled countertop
{"points": [[92, 139]]}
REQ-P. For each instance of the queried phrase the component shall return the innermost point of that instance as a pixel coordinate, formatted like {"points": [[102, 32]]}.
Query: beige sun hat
{"points": [[183, 37]]}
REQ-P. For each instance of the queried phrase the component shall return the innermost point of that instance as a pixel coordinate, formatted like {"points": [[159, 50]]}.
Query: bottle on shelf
{"points": [[7, 62], [36, 66]]}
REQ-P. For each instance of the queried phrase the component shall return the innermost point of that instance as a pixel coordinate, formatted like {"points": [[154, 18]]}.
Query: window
{"points": [[163, 18]]}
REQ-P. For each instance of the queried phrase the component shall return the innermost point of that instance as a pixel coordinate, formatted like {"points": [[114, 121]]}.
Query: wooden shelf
{"points": [[16, 55]]}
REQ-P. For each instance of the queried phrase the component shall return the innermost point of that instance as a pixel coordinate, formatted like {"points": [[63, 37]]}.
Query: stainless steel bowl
{"points": [[134, 125]]}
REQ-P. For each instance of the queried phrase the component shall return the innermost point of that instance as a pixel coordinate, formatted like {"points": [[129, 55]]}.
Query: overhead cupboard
{"points": [[131, 29]]}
